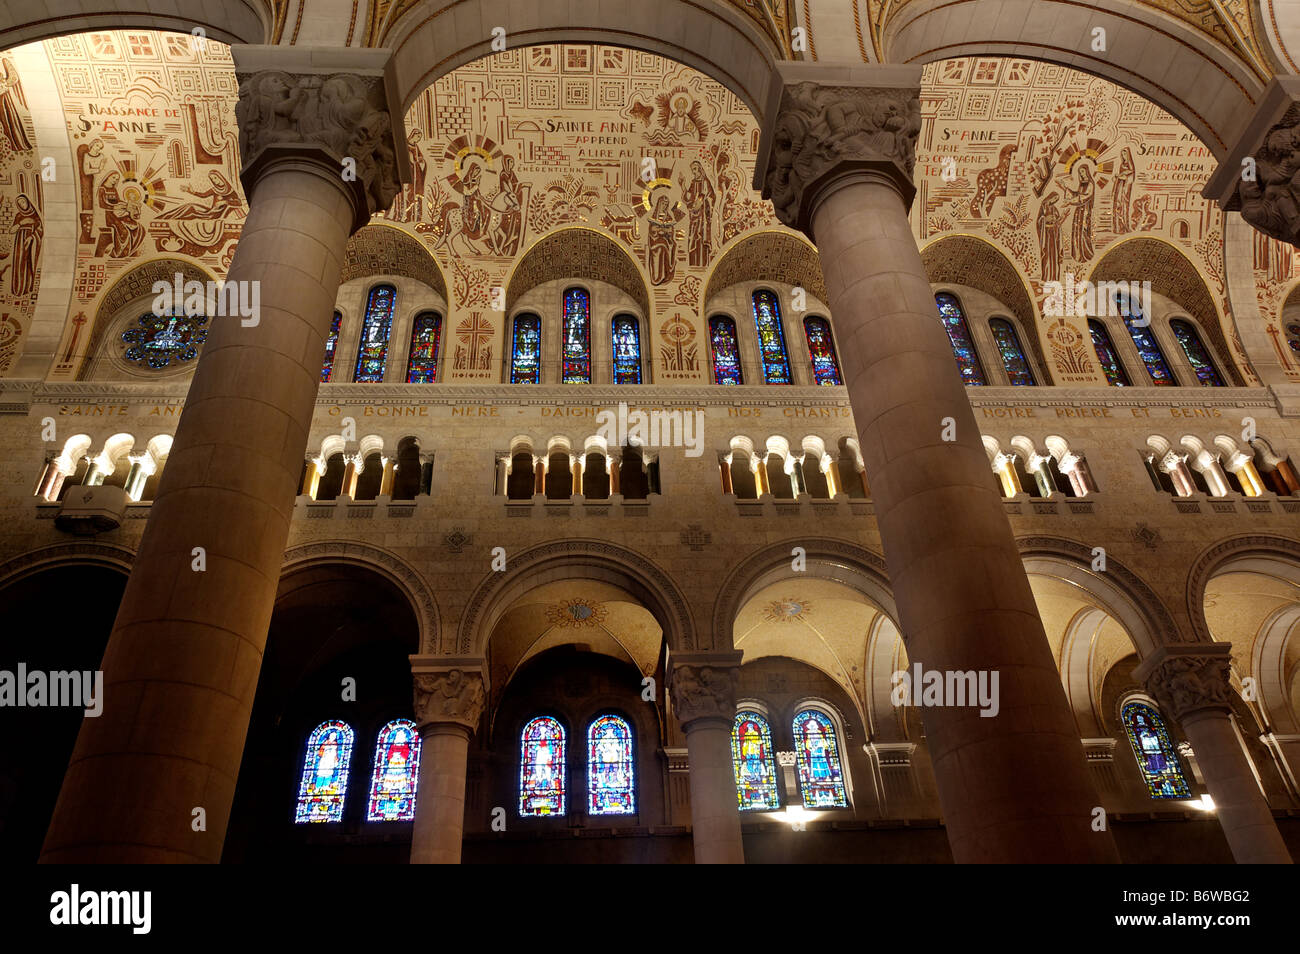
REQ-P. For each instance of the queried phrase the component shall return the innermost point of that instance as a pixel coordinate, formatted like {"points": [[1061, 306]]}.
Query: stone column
{"points": [[836, 159], [449, 697], [703, 692], [1191, 684], [182, 662]]}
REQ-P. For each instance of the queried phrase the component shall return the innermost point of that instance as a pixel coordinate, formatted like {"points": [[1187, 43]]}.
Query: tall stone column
{"points": [[703, 692], [1191, 684], [182, 662], [449, 697], [837, 161]]}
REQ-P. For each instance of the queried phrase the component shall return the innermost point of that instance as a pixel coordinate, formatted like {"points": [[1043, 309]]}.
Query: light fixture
{"points": [[1206, 804]]}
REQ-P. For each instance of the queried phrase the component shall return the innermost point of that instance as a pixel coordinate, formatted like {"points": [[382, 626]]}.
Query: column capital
{"points": [[1188, 679], [323, 106], [449, 690], [703, 685], [825, 123], [891, 753]]}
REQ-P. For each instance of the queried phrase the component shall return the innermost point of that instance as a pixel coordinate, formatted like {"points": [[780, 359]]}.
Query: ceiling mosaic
{"points": [[22, 214]]}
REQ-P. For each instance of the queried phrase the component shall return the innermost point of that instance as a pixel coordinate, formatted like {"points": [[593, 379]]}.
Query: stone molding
{"points": [[703, 685], [66, 554], [1257, 545], [892, 753], [449, 690], [1188, 679]]}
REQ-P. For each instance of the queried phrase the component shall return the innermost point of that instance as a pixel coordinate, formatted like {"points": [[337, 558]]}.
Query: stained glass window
{"points": [[1145, 339], [726, 352], [1292, 329], [156, 341], [426, 334], [821, 347], [963, 345], [626, 332], [396, 772], [1197, 355], [771, 339], [611, 777], [577, 337], [1154, 751], [331, 346], [372, 355], [821, 777], [1107, 357], [754, 762], [325, 773], [541, 768], [1013, 356], [526, 352]]}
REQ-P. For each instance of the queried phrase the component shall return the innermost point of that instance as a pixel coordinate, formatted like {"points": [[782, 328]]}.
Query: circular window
{"points": [[159, 341]]}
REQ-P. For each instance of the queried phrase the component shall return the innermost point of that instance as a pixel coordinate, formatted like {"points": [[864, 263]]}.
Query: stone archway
{"points": [[231, 21]]}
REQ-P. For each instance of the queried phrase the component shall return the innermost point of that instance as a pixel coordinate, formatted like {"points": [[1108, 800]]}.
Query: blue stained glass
{"points": [[1013, 356], [626, 332], [821, 348], [771, 339], [331, 346], [611, 776], [1154, 751], [396, 772], [526, 352], [963, 346], [541, 768], [1148, 348], [576, 360], [426, 334], [1197, 356], [372, 355], [158, 340], [325, 774], [726, 352], [1116, 376], [754, 762], [821, 776]]}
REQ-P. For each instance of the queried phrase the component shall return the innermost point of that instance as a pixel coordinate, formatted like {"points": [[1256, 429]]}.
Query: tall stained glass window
{"points": [[426, 335], [626, 332], [526, 351], [754, 762], [726, 351], [771, 339], [963, 345], [397, 769], [1107, 356], [331, 347], [821, 777], [372, 355], [576, 361], [1013, 356], [1139, 329], [541, 768], [1154, 751], [611, 776], [821, 347], [1197, 354], [325, 773]]}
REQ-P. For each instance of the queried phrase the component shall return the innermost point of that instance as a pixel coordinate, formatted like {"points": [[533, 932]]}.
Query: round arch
{"points": [[1239, 551], [771, 255], [232, 21], [109, 555], [380, 249], [579, 252]]}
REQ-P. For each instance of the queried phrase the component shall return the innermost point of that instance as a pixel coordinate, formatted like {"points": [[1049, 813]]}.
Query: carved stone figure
{"points": [[1271, 202], [1183, 684], [704, 692], [451, 696]]}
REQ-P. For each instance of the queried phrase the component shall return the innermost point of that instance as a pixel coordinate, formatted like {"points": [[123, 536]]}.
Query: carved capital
{"points": [[448, 691], [703, 685], [1188, 679], [331, 107], [824, 122]]}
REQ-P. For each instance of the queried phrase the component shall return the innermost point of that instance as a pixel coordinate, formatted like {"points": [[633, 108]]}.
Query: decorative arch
{"points": [[766, 256], [378, 250], [236, 21], [575, 253], [108, 555], [1213, 560]]}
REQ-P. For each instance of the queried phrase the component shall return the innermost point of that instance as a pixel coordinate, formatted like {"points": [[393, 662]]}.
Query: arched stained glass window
{"points": [[426, 335], [331, 347], [726, 351], [963, 345], [1107, 357], [158, 341], [611, 776], [754, 762], [541, 768], [526, 351], [1198, 356], [821, 777], [325, 773], [821, 348], [626, 333], [771, 338], [372, 355], [1139, 329], [1154, 751], [396, 772], [1013, 356], [576, 367]]}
